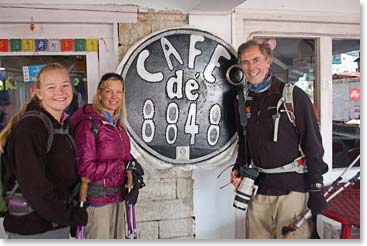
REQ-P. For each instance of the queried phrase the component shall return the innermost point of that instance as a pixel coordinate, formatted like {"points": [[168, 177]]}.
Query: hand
{"points": [[235, 180], [316, 202], [130, 195], [79, 216]]}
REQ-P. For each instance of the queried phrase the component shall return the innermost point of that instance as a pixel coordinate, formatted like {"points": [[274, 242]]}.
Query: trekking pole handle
{"points": [[129, 182], [83, 191]]}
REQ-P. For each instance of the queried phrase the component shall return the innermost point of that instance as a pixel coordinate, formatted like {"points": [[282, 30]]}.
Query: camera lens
{"points": [[246, 189], [235, 75]]}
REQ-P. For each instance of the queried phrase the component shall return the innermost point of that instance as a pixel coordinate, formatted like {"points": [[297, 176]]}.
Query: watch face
{"points": [[179, 104], [316, 186]]}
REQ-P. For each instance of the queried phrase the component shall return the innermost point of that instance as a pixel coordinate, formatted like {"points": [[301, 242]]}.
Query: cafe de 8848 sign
{"points": [[179, 105]]}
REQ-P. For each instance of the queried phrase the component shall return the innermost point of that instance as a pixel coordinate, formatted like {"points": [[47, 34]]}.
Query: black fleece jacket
{"points": [[266, 153], [45, 179]]}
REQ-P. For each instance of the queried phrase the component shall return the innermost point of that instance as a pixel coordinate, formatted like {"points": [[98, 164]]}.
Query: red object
{"points": [[32, 90], [67, 45], [4, 45], [301, 162], [354, 94], [345, 208]]}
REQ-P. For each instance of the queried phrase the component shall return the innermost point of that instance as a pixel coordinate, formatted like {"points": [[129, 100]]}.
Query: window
{"points": [[346, 101], [294, 61], [17, 84]]}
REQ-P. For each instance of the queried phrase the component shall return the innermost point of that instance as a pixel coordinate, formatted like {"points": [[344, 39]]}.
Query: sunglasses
{"points": [[110, 76]]}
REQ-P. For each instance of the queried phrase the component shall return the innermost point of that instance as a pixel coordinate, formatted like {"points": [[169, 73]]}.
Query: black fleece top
{"points": [[266, 153], [45, 179]]}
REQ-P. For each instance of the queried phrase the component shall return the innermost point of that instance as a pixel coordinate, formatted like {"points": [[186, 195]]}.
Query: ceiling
{"points": [[180, 5]]}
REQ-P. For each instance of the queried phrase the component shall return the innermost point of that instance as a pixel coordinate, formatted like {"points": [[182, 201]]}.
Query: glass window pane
{"points": [[294, 61], [346, 102]]}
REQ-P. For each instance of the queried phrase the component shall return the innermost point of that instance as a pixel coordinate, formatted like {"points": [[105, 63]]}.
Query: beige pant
{"points": [[267, 215], [101, 222]]}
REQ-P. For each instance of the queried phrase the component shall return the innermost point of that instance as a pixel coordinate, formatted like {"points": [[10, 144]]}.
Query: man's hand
{"points": [[316, 202], [235, 180]]}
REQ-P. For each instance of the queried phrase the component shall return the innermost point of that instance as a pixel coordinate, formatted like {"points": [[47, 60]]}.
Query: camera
{"points": [[247, 187]]}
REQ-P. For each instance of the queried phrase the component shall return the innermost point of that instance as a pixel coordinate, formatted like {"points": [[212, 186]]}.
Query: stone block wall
{"points": [[165, 206], [149, 21]]}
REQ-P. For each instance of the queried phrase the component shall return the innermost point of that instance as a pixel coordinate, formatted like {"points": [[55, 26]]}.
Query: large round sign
{"points": [[179, 105]]}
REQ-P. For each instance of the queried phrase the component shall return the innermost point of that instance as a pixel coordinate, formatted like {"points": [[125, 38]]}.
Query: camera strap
{"points": [[242, 98]]}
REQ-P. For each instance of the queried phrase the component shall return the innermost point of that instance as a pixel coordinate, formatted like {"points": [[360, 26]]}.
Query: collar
{"points": [[275, 88], [263, 86], [110, 118], [64, 116]]}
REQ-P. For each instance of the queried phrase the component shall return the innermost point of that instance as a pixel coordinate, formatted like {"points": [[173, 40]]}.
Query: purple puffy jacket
{"points": [[102, 164]]}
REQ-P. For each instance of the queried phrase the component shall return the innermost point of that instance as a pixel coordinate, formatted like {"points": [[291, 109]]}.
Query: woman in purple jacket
{"points": [[102, 157]]}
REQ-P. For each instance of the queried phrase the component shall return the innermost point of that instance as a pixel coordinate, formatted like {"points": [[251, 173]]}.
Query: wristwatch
{"points": [[316, 186]]}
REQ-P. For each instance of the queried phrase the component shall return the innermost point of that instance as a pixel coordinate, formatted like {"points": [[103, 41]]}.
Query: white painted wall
{"points": [[217, 23], [214, 214]]}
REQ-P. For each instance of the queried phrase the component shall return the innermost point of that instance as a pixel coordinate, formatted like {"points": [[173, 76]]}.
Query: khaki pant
{"points": [[267, 215], [101, 222]]}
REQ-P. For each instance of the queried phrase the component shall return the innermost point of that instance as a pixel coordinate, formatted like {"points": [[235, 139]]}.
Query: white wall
{"points": [[213, 210], [218, 23]]}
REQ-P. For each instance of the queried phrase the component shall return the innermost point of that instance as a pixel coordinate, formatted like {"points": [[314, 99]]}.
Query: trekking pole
{"points": [[288, 230], [128, 221], [131, 227], [80, 230], [338, 179], [134, 221], [130, 209]]}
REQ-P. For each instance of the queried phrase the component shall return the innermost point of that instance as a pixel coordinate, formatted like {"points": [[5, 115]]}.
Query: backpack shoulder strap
{"points": [[289, 107], [288, 102], [46, 121], [94, 128]]}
